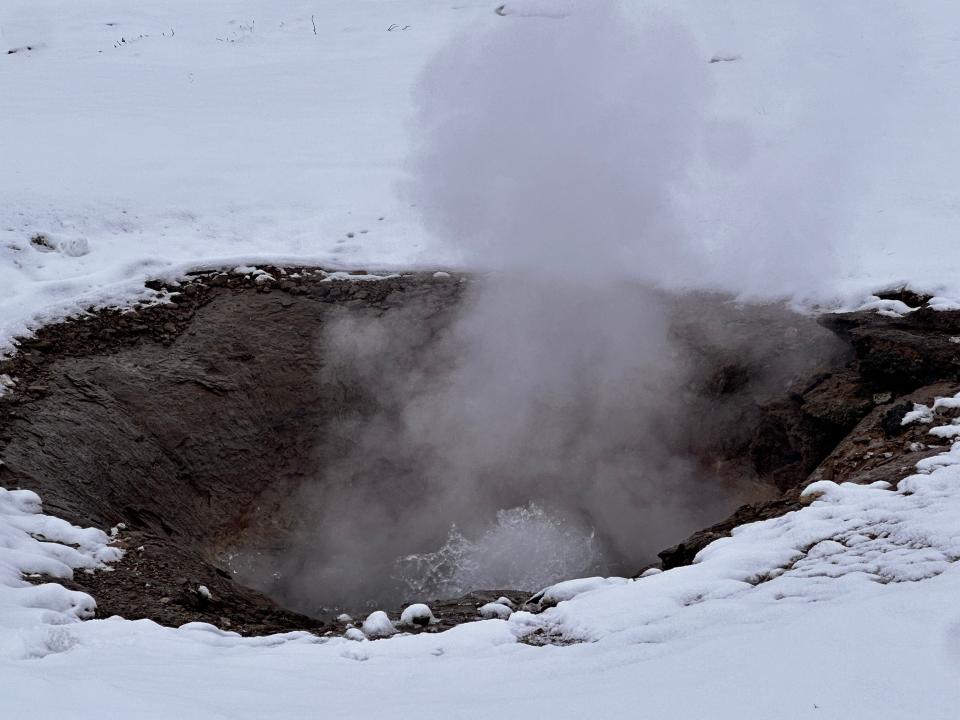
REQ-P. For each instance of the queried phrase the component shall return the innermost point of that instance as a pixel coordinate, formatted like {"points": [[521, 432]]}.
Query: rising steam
{"points": [[557, 425]]}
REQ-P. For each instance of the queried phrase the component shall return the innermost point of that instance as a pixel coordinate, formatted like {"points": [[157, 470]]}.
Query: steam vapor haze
{"points": [[555, 421]]}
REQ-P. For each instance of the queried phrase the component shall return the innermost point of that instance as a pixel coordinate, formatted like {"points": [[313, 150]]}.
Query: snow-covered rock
{"points": [[34, 543], [919, 414], [378, 625], [947, 403], [569, 589], [417, 615], [494, 611], [891, 308], [355, 634]]}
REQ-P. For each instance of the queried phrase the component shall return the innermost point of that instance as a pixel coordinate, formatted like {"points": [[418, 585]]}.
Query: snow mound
{"points": [[37, 545], [569, 589], [494, 611], [919, 414], [417, 615], [378, 625], [890, 308], [947, 403]]}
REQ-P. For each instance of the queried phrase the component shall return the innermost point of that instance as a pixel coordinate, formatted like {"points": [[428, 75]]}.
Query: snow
{"points": [[919, 414], [143, 142], [378, 625], [147, 141], [569, 589], [944, 303], [354, 634], [38, 545], [947, 431], [417, 614], [949, 403], [494, 610], [891, 308], [209, 145]]}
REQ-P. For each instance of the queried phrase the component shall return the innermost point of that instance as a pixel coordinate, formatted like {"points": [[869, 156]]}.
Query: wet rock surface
{"points": [[193, 420]]}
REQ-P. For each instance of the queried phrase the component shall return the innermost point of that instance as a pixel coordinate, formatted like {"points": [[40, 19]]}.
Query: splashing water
{"points": [[525, 548]]}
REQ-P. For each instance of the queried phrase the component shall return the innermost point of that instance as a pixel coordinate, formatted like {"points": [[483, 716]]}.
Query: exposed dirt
{"points": [[191, 421]]}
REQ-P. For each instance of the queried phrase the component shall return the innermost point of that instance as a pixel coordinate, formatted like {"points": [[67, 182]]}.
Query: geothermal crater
{"points": [[225, 434]]}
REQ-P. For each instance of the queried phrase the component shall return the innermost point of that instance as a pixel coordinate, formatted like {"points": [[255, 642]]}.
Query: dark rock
{"points": [[840, 426], [892, 423]]}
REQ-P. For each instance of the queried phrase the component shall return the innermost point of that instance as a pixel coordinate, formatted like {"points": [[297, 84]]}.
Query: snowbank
{"points": [[39, 546]]}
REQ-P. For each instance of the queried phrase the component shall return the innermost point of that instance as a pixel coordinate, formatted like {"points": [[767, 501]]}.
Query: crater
{"points": [[252, 436]]}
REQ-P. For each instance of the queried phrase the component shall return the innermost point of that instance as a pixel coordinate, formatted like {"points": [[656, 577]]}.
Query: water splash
{"points": [[525, 548]]}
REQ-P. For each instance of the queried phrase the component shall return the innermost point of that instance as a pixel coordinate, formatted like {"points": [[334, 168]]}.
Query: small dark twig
{"points": [[724, 58], [313, 21]]}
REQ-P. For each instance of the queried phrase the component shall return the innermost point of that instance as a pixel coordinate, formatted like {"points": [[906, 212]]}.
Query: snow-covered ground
{"points": [[145, 139]]}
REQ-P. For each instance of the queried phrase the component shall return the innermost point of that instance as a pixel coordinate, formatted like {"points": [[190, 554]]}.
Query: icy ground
{"points": [[144, 139]]}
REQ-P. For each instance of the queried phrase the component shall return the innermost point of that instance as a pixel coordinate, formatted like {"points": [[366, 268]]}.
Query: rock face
{"points": [[899, 355], [181, 421], [846, 425]]}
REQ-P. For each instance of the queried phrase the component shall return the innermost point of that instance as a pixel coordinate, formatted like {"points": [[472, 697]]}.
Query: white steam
{"points": [[581, 160], [557, 147], [605, 142]]}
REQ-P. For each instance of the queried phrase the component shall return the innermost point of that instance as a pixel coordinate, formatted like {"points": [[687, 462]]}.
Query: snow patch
{"points": [[570, 589], [891, 308], [32, 543], [494, 611], [919, 414]]}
